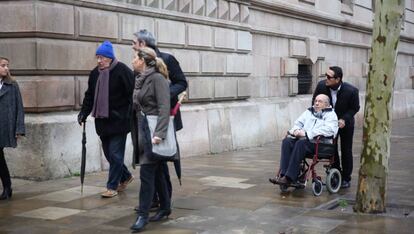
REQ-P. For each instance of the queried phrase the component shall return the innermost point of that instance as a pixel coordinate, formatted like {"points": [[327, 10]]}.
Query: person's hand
{"points": [[81, 119], [156, 140], [299, 133], [341, 123]]}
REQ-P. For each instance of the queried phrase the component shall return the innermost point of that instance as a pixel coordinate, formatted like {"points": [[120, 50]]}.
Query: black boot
{"points": [[160, 215], [7, 193], [140, 224]]}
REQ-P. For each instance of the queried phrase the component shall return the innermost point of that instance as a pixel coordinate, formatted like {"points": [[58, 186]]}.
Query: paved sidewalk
{"points": [[223, 193]]}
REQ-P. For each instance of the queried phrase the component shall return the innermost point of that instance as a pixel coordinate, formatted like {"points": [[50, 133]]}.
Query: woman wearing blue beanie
{"points": [[108, 100]]}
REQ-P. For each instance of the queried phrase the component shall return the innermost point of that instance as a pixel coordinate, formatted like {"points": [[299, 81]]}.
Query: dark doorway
{"points": [[304, 79]]}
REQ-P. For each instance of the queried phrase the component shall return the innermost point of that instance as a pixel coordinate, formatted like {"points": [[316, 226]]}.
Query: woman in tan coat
{"points": [[151, 97]]}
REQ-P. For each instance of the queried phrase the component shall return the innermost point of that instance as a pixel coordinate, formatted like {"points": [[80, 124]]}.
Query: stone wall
{"points": [[241, 59]]}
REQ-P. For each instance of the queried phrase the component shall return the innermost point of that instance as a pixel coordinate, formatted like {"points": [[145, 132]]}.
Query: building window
{"points": [[304, 79]]}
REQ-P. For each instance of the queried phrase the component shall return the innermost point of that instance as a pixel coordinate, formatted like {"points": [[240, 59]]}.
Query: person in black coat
{"points": [[109, 99], [345, 100], [178, 83], [11, 121]]}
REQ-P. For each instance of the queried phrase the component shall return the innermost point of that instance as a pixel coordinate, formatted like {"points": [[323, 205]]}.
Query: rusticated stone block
{"points": [[66, 55], [241, 64], [223, 10], [48, 91], [322, 50], [167, 28], [188, 139], [199, 7], [297, 48], [289, 67], [225, 88], [52, 147], [246, 135], [244, 40], [293, 86], [189, 60], [224, 38], [81, 85], [244, 87], [312, 47], [97, 23], [28, 91], [55, 18], [21, 52], [321, 68], [124, 53], [131, 24], [274, 67], [201, 88], [219, 127], [199, 35], [234, 12], [213, 63], [17, 16]]}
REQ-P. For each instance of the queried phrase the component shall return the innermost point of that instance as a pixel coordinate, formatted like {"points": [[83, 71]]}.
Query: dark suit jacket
{"points": [[121, 80], [347, 102], [178, 83]]}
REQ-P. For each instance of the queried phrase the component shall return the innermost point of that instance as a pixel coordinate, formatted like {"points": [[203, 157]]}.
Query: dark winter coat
{"points": [[121, 83], [154, 99], [178, 83], [347, 101], [11, 114]]}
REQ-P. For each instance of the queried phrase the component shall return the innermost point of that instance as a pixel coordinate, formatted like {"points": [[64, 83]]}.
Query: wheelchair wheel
{"points": [[284, 188], [317, 187], [333, 180]]}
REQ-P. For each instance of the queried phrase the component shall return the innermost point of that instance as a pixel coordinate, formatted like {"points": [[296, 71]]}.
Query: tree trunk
{"points": [[372, 182]]}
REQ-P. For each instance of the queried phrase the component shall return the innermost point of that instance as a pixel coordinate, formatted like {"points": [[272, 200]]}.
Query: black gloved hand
{"points": [[81, 118]]}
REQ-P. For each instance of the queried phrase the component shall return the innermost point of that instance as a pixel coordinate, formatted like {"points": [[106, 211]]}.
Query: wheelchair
{"points": [[324, 153]]}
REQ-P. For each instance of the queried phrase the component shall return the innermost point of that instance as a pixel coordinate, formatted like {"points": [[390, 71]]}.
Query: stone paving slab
{"points": [[222, 193]]}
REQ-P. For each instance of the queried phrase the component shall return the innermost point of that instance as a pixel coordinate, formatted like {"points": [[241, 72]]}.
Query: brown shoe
{"points": [[109, 193], [122, 186], [273, 180], [283, 181]]}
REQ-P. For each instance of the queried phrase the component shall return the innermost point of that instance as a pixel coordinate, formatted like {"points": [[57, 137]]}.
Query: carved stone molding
{"points": [[199, 7], [184, 6], [223, 10], [211, 8]]}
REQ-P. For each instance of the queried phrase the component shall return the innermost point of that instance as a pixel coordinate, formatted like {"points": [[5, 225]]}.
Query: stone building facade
{"points": [[251, 67]]}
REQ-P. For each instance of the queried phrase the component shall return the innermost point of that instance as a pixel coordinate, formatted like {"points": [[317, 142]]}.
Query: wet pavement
{"points": [[222, 193]]}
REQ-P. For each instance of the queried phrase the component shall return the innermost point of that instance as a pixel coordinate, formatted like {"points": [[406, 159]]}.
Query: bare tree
{"points": [[372, 182]]}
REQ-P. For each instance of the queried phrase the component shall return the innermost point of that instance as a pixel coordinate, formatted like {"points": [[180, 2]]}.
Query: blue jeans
{"points": [[114, 150]]}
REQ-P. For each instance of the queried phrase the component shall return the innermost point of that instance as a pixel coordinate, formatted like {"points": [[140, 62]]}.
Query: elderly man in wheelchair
{"points": [[318, 124]]}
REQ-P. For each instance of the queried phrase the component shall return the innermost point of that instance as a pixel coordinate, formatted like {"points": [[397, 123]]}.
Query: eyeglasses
{"points": [[329, 77]]}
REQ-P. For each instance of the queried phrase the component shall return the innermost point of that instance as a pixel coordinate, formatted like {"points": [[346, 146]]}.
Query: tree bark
{"points": [[372, 181]]}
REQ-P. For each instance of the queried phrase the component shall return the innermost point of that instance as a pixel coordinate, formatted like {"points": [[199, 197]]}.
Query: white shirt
{"points": [[334, 94], [1, 83]]}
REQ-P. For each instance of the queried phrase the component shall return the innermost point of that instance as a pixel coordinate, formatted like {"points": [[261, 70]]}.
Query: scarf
{"points": [[139, 82], [100, 107]]}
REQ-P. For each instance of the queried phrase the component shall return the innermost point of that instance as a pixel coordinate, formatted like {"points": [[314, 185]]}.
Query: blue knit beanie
{"points": [[106, 50]]}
